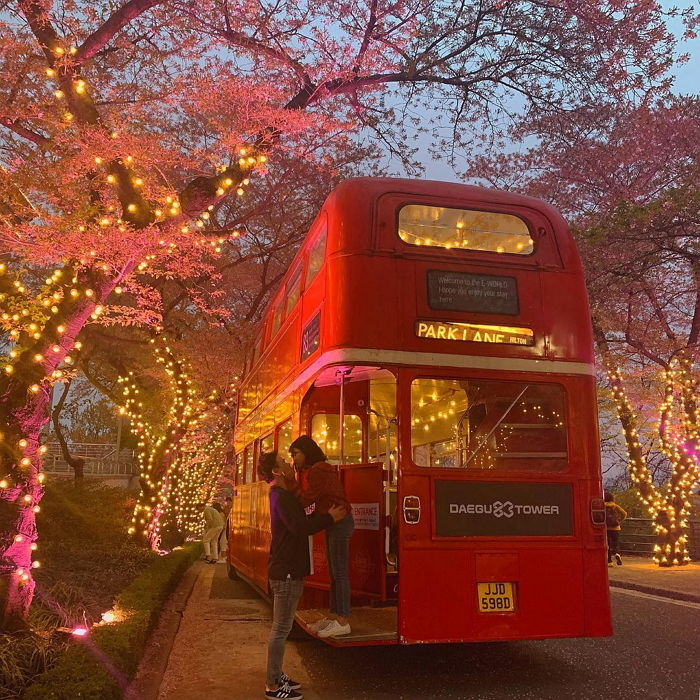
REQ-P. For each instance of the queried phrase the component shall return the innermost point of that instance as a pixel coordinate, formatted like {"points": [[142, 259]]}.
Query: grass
{"points": [[86, 560]]}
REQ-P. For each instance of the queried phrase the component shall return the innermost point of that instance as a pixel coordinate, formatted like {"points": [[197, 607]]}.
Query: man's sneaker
{"points": [[317, 626], [335, 629], [286, 680], [284, 692], [618, 559]]}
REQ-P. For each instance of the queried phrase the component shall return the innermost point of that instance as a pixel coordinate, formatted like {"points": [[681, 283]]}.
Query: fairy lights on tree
{"points": [[158, 446], [182, 456], [669, 506]]}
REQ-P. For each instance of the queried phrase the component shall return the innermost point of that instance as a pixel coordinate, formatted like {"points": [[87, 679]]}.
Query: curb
{"points": [[661, 592], [146, 682]]}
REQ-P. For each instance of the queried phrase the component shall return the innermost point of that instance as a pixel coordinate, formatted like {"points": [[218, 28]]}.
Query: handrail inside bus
{"points": [[498, 422]]}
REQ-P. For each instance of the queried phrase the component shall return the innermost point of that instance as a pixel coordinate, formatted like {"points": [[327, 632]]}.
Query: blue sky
{"points": [[687, 82]]}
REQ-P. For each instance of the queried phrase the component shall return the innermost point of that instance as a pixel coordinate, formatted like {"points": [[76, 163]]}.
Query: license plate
{"points": [[495, 597]]}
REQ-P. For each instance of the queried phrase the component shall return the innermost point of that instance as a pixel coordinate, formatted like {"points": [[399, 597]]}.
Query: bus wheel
{"points": [[232, 573]]}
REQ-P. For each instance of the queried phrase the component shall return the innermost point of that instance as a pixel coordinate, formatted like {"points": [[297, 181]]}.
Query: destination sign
{"points": [[475, 332], [464, 291]]}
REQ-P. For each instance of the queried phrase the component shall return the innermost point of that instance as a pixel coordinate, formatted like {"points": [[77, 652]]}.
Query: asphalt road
{"points": [[655, 654]]}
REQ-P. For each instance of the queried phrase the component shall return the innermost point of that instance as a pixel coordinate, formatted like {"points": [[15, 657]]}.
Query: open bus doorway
{"points": [[361, 399]]}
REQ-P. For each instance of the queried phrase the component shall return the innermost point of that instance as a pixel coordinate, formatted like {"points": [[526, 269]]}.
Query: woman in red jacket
{"points": [[318, 483]]}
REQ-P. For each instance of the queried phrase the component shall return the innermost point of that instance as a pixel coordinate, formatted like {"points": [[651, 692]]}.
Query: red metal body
{"points": [[360, 314]]}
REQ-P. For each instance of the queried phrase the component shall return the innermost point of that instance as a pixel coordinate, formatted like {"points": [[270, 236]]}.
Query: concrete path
{"points": [[641, 574], [221, 647]]}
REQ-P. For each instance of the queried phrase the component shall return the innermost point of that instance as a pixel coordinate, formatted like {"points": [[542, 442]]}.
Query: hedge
{"points": [[99, 666]]}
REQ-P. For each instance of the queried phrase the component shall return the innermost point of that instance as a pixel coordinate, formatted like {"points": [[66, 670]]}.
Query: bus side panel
{"points": [[239, 544], [261, 535], [596, 592]]}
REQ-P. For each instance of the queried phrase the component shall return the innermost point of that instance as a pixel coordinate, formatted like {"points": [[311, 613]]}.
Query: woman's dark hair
{"points": [[609, 497], [266, 463], [311, 451], [217, 506]]}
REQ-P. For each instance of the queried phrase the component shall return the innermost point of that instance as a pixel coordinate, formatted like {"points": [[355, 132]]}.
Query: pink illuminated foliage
{"points": [[627, 178], [124, 126]]}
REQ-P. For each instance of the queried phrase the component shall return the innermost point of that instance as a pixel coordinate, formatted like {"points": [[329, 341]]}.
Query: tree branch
{"points": [[116, 22]]}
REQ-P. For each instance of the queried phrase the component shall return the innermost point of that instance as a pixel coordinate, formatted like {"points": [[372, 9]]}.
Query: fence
{"points": [[637, 537], [100, 459]]}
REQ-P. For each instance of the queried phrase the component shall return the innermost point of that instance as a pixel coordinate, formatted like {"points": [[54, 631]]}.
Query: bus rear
{"points": [[475, 301]]}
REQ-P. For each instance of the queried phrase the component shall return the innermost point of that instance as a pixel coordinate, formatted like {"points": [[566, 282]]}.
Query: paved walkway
{"points": [[641, 574], [220, 649]]}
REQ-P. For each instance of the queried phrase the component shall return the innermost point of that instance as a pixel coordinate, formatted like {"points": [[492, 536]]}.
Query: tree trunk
{"points": [[76, 463], [24, 410]]}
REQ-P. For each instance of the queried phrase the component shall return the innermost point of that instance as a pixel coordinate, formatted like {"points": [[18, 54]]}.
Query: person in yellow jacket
{"points": [[614, 515]]}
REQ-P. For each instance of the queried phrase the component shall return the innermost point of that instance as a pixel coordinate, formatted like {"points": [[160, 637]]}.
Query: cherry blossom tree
{"points": [[125, 126], [627, 177]]}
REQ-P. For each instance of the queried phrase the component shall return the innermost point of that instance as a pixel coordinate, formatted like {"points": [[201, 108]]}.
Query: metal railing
{"points": [[100, 459], [637, 537]]}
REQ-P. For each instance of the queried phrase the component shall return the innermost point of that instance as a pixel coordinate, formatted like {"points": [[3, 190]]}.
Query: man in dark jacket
{"points": [[287, 565]]}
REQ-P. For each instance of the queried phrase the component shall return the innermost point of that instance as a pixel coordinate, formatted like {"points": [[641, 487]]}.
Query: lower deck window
{"points": [[325, 430], [486, 424]]}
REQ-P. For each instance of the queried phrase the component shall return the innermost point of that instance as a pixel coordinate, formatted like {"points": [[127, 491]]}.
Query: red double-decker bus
{"points": [[434, 339]]}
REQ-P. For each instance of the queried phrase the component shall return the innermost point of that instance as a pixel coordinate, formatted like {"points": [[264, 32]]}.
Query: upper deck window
{"points": [[316, 255], [278, 316], [293, 290], [464, 229]]}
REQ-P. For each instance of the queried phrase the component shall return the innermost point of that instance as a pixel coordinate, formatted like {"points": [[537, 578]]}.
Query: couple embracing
{"points": [[317, 485]]}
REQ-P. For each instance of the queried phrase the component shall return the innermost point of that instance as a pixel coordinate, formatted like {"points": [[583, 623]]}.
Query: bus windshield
{"points": [[486, 424]]}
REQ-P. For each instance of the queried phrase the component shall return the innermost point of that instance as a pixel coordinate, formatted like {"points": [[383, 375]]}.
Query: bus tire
{"points": [[232, 573]]}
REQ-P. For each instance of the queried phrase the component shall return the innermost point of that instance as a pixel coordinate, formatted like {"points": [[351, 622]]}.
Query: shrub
{"points": [[99, 666]]}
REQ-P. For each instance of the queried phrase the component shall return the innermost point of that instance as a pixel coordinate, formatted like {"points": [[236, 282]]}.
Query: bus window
{"points": [[464, 229], [256, 351], [316, 255], [267, 444], [293, 290], [278, 317], [239, 468], [249, 465], [485, 424], [325, 430], [284, 438], [382, 437]]}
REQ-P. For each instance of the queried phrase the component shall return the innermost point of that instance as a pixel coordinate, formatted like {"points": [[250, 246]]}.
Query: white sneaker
{"points": [[334, 629], [319, 624]]}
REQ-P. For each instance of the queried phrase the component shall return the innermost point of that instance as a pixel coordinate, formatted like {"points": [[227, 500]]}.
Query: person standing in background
{"points": [[213, 525], [614, 515]]}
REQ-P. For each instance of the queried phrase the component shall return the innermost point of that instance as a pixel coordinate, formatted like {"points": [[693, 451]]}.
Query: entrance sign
{"points": [[366, 515]]}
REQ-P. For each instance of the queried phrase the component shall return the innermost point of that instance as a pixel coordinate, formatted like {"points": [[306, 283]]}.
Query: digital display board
{"points": [[464, 291]]}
